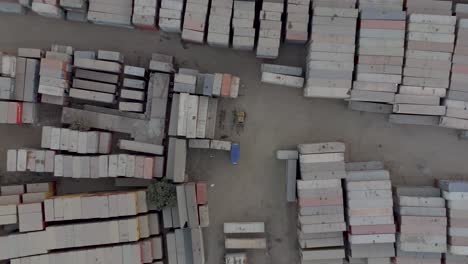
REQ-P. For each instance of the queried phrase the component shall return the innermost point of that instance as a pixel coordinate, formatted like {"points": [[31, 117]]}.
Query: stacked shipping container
{"points": [[33, 160], [26, 84], [456, 115], [422, 224], [456, 195], [380, 60], [193, 116], [243, 25], [427, 67], [196, 12], [219, 28], [236, 235], [18, 113], [55, 75], [48, 8], [185, 243], [297, 21], [97, 80], [76, 141], [76, 10], [22, 206], [125, 222], [170, 15], [104, 166], [115, 13], [270, 33], [370, 214], [161, 63], [320, 197], [144, 14], [134, 89], [330, 55]]}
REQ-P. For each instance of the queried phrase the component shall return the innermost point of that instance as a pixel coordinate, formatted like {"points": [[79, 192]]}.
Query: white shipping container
{"points": [[192, 112], [244, 227], [202, 116]]}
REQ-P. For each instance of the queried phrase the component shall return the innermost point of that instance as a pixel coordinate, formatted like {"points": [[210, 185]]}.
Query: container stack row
{"points": [[145, 14], [103, 166], [124, 253], [243, 25], [48, 8], [185, 242], [114, 13], [196, 12], [19, 81], [426, 73], [422, 224], [26, 84], [219, 27], [97, 80], [193, 116], [185, 245], [22, 206], [161, 63], [380, 60], [270, 33], [75, 141], [456, 115], [55, 75], [33, 160], [185, 81], [215, 85], [170, 15], [7, 86], [27, 193], [98, 206], [371, 230], [244, 235], [38, 192], [428, 60], [320, 200], [30, 217], [106, 166], [456, 195], [134, 91], [8, 66], [117, 226], [18, 113], [75, 10], [330, 54], [297, 21], [191, 205]]}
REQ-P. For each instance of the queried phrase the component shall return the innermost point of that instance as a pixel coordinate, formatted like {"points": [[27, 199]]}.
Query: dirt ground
{"points": [[277, 118]]}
